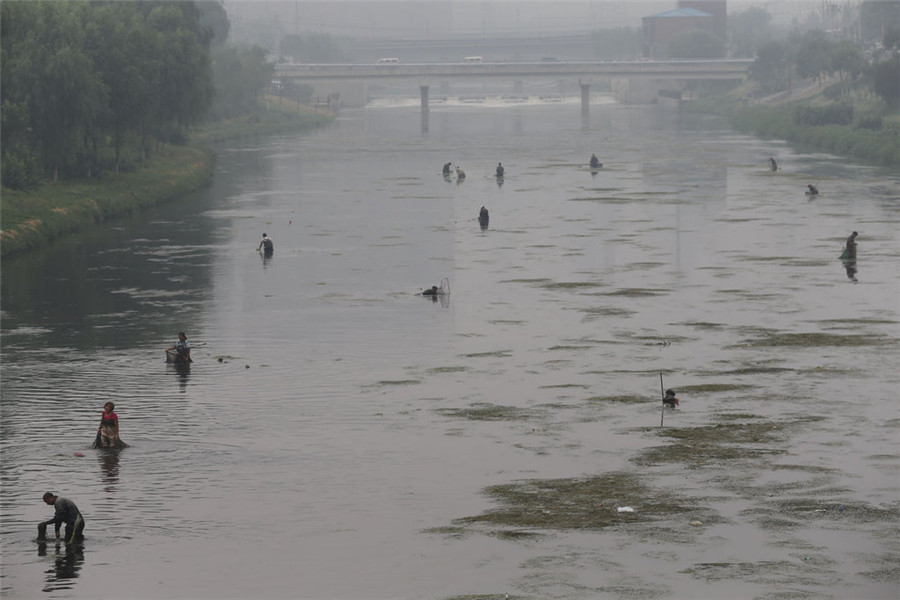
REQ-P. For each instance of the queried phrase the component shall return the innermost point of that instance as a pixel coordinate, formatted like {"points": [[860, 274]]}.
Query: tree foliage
{"points": [[832, 114], [813, 57], [90, 86], [891, 39], [878, 16], [886, 81], [214, 19], [771, 68], [79, 74], [847, 60], [240, 75], [749, 29]]}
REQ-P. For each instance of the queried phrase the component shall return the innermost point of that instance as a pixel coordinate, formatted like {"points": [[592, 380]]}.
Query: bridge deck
{"points": [[681, 69]]}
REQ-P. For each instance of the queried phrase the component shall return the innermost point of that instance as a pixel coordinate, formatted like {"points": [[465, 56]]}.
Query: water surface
{"points": [[336, 430]]}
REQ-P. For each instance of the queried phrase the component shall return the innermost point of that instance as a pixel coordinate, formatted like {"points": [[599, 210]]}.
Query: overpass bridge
{"points": [[650, 69], [650, 75]]}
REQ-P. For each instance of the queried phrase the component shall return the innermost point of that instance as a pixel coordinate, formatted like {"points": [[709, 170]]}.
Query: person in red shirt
{"points": [[109, 426]]}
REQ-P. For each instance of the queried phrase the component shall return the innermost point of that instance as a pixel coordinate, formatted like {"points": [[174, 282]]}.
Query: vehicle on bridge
{"points": [[388, 61], [473, 60]]}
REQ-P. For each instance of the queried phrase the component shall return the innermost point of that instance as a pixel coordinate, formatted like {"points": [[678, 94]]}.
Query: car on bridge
{"points": [[473, 60], [388, 61]]}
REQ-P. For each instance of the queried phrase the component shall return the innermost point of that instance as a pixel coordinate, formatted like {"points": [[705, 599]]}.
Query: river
{"points": [[338, 435]]}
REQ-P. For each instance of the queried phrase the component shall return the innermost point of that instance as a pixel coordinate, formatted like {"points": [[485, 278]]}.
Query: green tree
{"points": [[696, 43], [877, 16], [119, 41], [749, 29], [63, 91], [847, 60], [214, 19], [19, 157], [814, 54], [185, 74], [240, 75], [891, 40], [771, 68], [886, 81], [19, 162], [79, 77], [300, 92]]}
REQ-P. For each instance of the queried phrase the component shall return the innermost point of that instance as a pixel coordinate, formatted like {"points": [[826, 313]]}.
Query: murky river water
{"points": [[336, 430]]}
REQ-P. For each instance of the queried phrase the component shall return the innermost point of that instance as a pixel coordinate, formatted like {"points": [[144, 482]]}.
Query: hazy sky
{"points": [[423, 18]]}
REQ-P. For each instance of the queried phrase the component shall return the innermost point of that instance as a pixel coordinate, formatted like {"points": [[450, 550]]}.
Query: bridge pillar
{"points": [[585, 99], [423, 93]]}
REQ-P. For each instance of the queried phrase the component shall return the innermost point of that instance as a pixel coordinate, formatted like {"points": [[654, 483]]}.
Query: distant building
{"points": [[716, 8], [659, 29]]}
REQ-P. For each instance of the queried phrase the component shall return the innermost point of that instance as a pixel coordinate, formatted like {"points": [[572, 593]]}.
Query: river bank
{"points": [[873, 136], [32, 218]]}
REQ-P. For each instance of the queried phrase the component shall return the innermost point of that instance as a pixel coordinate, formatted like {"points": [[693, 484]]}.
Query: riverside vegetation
{"points": [[31, 218], [96, 121], [869, 137], [857, 127], [819, 87]]}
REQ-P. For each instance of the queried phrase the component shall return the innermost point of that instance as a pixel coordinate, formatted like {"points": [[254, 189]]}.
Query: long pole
{"points": [[662, 412]]}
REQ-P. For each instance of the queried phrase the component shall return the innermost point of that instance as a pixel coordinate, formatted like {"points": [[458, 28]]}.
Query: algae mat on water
{"points": [[577, 503], [592, 502], [711, 444]]}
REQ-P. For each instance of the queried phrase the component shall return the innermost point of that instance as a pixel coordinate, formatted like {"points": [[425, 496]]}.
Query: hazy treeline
{"points": [[816, 54], [94, 86], [856, 115], [865, 54]]}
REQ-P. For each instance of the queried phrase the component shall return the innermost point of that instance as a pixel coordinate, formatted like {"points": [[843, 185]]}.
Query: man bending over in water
{"points": [[66, 512]]}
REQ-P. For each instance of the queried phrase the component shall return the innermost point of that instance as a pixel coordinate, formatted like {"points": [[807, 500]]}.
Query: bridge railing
{"points": [[721, 69]]}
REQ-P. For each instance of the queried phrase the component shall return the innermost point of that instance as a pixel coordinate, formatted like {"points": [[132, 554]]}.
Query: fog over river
{"points": [[340, 436]]}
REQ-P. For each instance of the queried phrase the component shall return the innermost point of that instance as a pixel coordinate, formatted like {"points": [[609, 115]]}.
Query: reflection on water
{"points": [[850, 267], [182, 372], [109, 467], [68, 560], [333, 422]]}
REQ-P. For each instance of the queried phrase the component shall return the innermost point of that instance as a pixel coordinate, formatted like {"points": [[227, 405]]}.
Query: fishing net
{"points": [[98, 443]]}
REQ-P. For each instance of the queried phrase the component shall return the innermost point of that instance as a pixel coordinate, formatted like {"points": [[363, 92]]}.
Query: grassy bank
{"points": [[34, 217], [273, 115], [775, 120], [881, 147]]}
